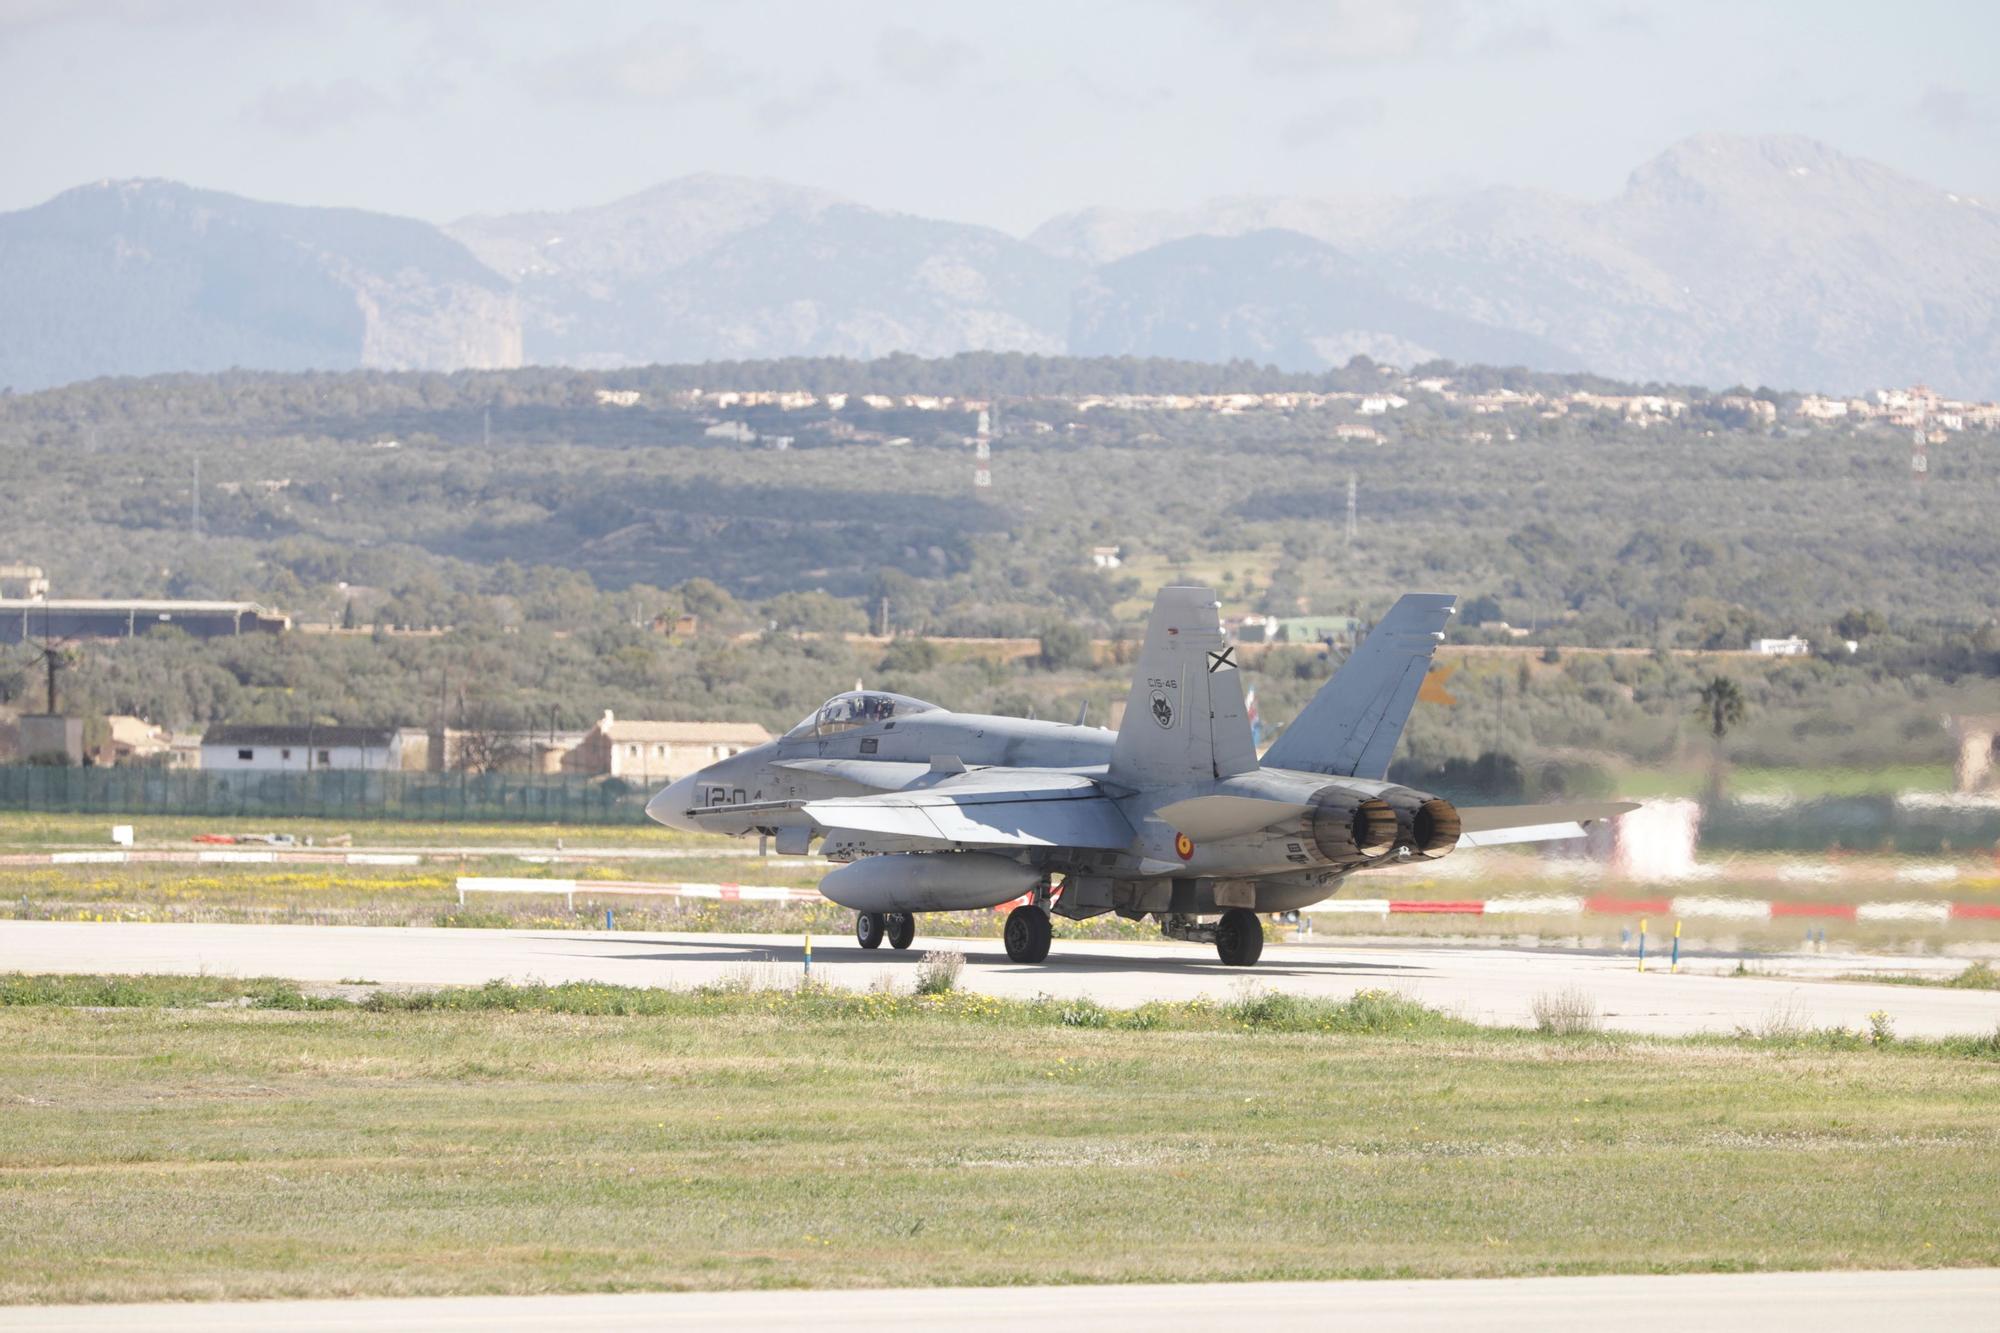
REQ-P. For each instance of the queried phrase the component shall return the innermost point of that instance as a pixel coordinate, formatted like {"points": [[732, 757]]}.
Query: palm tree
{"points": [[1722, 704]]}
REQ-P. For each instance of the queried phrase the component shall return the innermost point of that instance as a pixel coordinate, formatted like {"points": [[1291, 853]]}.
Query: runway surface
{"points": [[1486, 985], [1715, 1303]]}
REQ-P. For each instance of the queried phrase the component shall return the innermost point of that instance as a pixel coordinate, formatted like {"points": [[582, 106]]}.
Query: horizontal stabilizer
{"points": [[1205, 818]]}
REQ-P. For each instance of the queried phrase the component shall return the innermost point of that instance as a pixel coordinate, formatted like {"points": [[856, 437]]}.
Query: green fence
{"points": [[500, 797]]}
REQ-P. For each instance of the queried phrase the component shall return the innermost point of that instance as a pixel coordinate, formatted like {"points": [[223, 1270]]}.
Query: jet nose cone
{"points": [[670, 805]]}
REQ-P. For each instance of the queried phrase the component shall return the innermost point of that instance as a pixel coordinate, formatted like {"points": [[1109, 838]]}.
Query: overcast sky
{"points": [[1000, 113]]}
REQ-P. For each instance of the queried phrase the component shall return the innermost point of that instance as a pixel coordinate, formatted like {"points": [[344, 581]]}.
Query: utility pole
{"points": [[1353, 509], [196, 519]]}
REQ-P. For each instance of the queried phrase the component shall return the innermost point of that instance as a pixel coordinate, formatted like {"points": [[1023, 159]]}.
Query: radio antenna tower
{"points": [[982, 451], [1353, 508]]}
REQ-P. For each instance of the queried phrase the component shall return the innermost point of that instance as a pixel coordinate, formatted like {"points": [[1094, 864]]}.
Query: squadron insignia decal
{"points": [[1163, 709]]}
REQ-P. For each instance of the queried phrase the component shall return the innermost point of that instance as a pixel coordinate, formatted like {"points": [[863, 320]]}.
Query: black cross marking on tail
{"points": [[1225, 658]]}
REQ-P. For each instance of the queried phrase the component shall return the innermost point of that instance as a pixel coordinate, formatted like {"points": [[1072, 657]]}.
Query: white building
{"points": [[1792, 647], [1106, 557], [658, 751], [231, 748], [1815, 408]]}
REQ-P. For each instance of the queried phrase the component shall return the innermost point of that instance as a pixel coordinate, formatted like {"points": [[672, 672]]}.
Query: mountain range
{"points": [[1724, 260]]}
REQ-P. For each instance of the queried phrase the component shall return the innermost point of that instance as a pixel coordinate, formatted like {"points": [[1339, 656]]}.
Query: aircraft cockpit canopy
{"points": [[858, 708]]}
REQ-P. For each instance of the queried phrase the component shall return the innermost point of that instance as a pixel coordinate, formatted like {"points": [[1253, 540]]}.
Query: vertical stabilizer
{"points": [[1350, 728], [1185, 719]]}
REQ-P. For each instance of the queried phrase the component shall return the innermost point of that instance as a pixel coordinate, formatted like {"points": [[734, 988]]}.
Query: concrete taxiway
{"points": [[1484, 984], [1718, 1303]]}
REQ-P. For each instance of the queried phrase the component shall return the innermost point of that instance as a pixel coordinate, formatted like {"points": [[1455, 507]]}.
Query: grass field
{"points": [[593, 1139], [1798, 784], [23, 831]]}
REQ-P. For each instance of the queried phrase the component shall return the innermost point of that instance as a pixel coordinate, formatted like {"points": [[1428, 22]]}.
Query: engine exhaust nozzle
{"points": [[1347, 827]]}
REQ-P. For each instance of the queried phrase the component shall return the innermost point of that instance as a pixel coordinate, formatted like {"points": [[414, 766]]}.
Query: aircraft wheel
{"points": [[1028, 934], [868, 929], [902, 927], [1239, 937]]}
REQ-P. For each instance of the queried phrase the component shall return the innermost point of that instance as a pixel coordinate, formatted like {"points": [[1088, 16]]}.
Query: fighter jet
{"points": [[1174, 816]]}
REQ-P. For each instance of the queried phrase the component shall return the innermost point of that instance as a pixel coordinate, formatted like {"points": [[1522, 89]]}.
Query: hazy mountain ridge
{"points": [[1722, 260], [1282, 298], [135, 277], [712, 267]]}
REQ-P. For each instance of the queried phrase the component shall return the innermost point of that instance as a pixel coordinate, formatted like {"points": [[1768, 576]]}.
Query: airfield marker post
{"points": [[1677, 947], [809, 955], [1642, 944]]}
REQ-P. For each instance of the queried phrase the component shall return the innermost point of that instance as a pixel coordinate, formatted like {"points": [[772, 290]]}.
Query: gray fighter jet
{"points": [[1173, 816]]}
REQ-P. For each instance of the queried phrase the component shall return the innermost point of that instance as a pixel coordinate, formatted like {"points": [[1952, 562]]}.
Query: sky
{"points": [[998, 114]]}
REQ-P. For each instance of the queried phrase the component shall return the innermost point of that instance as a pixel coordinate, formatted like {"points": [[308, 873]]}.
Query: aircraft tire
{"points": [[1239, 937], [1028, 934], [902, 928], [868, 929]]}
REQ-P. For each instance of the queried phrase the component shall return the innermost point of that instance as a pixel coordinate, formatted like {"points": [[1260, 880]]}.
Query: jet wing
{"points": [[991, 808], [1499, 825], [879, 774]]}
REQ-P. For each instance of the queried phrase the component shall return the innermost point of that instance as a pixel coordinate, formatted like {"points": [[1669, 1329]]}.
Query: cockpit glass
{"points": [[845, 712]]}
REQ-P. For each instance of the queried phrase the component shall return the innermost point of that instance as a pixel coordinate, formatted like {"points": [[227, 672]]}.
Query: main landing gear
{"points": [[1027, 934], [871, 928], [1239, 937]]}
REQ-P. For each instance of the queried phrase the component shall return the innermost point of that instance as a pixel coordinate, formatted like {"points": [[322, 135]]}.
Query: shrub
{"points": [[937, 972], [1565, 1013]]}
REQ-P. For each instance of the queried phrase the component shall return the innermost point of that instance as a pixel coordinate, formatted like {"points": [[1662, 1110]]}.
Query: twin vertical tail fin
{"points": [[1350, 728], [1184, 720]]}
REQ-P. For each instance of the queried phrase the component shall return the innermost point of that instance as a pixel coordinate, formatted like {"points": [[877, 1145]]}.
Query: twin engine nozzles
{"points": [[1348, 827]]}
